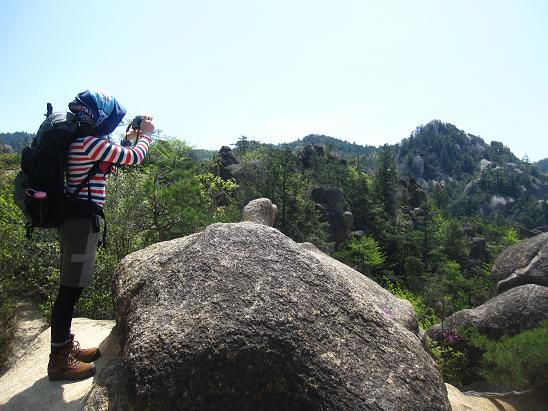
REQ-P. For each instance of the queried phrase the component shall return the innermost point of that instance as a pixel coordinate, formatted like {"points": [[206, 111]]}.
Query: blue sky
{"points": [[211, 71]]}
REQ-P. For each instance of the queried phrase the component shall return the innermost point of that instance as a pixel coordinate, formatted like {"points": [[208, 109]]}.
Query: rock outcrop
{"points": [[478, 250], [309, 153], [336, 212], [523, 263], [509, 313], [260, 211], [229, 166], [241, 317]]}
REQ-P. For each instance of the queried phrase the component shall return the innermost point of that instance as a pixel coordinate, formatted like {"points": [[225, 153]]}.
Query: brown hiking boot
{"points": [[64, 366], [83, 354]]}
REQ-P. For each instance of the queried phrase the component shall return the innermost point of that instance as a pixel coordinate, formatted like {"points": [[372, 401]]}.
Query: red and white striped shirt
{"points": [[85, 151]]}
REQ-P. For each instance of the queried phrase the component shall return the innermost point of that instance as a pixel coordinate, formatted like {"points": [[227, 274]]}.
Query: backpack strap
{"points": [[93, 170], [93, 211]]}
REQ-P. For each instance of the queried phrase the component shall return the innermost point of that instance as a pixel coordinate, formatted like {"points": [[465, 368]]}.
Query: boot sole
{"points": [[82, 376]]}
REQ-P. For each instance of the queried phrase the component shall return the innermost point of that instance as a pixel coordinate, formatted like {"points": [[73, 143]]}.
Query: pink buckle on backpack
{"points": [[37, 195]]}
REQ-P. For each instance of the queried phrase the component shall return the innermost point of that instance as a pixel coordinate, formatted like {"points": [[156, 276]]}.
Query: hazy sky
{"points": [[211, 71]]}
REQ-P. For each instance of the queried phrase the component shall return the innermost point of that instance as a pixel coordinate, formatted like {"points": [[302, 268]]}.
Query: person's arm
{"points": [[98, 149]]}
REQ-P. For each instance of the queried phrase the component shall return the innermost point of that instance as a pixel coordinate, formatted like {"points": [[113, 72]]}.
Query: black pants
{"points": [[61, 315]]}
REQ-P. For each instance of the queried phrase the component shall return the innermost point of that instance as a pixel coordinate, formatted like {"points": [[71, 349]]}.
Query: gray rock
{"points": [[522, 263], [229, 165], [308, 152], [509, 313], [260, 211], [6, 149], [241, 317], [416, 195], [484, 163], [478, 249], [418, 166]]}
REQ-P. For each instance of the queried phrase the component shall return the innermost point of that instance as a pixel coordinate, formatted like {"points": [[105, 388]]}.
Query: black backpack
{"points": [[40, 185]]}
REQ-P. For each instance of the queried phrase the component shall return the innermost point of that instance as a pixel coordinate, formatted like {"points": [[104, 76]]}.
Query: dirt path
{"points": [[30, 323]]}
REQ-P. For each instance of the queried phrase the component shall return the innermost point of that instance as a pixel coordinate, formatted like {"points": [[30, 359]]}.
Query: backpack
{"points": [[40, 184]]}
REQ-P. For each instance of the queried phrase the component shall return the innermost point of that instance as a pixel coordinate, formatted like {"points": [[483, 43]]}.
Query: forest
{"points": [[425, 218]]}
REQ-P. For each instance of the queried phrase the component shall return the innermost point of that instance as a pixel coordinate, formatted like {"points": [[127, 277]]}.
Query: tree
{"points": [[386, 181], [364, 253]]}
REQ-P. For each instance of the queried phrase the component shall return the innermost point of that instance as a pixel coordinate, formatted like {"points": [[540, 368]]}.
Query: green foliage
{"points": [[518, 362], [426, 315], [363, 253], [386, 180], [96, 300], [17, 140], [7, 318], [343, 147], [543, 165], [449, 289], [276, 174], [450, 360]]}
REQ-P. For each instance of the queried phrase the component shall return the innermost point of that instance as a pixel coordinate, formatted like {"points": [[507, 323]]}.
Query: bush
{"points": [[517, 362], [451, 360], [96, 300], [427, 316], [7, 319]]}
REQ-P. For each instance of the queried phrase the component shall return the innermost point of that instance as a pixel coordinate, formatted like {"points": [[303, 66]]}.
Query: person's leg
{"points": [[61, 316], [78, 249]]}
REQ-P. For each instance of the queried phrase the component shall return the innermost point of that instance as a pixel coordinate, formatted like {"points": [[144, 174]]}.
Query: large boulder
{"points": [[241, 317], [509, 313], [308, 153], [229, 165], [260, 211], [478, 250], [522, 263]]}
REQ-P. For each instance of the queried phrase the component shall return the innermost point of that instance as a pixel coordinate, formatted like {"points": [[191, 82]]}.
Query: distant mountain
{"points": [[439, 150], [344, 148], [543, 165], [17, 140]]}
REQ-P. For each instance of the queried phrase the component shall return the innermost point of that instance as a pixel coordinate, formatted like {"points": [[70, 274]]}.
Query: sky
{"points": [[210, 71]]}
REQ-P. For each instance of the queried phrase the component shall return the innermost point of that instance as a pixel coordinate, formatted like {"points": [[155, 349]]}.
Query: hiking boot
{"points": [[64, 366], [83, 354]]}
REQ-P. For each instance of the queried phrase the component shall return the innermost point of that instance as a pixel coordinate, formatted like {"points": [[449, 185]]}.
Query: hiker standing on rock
{"points": [[90, 158]]}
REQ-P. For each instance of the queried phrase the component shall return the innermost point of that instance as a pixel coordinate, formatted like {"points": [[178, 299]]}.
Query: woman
{"points": [[90, 157]]}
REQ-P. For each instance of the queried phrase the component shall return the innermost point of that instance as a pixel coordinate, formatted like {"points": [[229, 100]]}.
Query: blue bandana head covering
{"points": [[98, 108]]}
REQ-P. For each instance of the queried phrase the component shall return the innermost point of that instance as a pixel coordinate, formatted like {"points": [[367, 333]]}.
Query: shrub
{"points": [[517, 362], [427, 316], [7, 318]]}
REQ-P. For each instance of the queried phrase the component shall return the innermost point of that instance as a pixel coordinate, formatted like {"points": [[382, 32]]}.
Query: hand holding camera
{"points": [[140, 124], [143, 123]]}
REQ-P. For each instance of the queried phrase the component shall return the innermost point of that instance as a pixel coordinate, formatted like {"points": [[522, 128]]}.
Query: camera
{"points": [[136, 122]]}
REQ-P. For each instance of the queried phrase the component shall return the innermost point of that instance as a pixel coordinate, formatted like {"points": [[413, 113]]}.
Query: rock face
{"points": [[416, 196], [228, 163], [6, 149], [523, 263], [418, 166], [509, 313], [307, 153], [336, 212], [260, 211], [241, 317], [478, 249]]}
